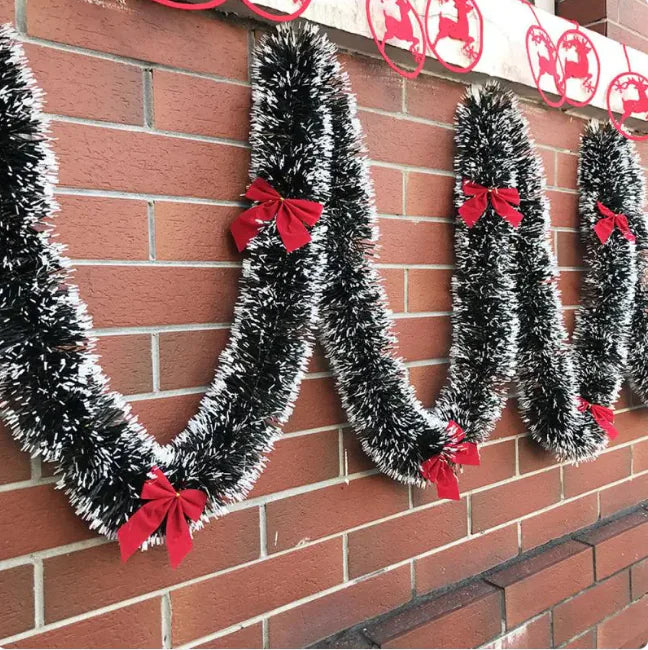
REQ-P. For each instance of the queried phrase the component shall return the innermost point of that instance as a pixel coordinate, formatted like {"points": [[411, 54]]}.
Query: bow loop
{"points": [[604, 227], [291, 215], [602, 415], [439, 468], [162, 502], [501, 198]]}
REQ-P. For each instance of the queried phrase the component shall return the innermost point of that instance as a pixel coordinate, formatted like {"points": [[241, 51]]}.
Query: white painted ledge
{"points": [[504, 55]]}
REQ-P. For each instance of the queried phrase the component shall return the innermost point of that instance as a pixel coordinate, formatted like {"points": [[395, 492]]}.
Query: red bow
{"points": [[605, 225], [163, 502], [603, 416], [439, 470], [291, 215], [501, 199]]}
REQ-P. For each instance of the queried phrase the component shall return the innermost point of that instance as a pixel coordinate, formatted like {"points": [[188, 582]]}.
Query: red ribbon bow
{"points": [[603, 416], [439, 470], [501, 199], [605, 225], [163, 502], [291, 215]]}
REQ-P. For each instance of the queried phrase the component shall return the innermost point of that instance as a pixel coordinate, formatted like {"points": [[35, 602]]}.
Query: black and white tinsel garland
{"points": [[54, 395]]}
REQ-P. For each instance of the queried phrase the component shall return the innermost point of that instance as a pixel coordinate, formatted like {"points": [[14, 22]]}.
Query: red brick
{"points": [[429, 290], [624, 495], [634, 14], [569, 249], [553, 128], [36, 518], [332, 509], [185, 103], [415, 242], [466, 559], [619, 544], [640, 457], [14, 463], [534, 634], [300, 461], [570, 284], [388, 186], [513, 500], [247, 637], [89, 579], [126, 360], [582, 12], [463, 618], [588, 608], [17, 595], [535, 583], [631, 425], [254, 589], [318, 405], [86, 86], [639, 579], [430, 195], [148, 163], [423, 338], [427, 381], [127, 296], [186, 231], [166, 417], [607, 468], [433, 98], [567, 171], [135, 626], [374, 84], [407, 142], [548, 157], [144, 30], [533, 457], [190, 358], [329, 614], [587, 640], [559, 521], [510, 423], [626, 626], [118, 228], [394, 282], [397, 539], [355, 459]]}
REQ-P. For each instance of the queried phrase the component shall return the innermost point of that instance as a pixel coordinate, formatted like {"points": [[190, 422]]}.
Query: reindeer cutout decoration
{"points": [[580, 76], [464, 25], [401, 25]]}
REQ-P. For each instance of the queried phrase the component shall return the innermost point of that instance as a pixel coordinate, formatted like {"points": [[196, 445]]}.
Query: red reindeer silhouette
{"points": [[458, 29], [638, 105], [580, 68], [401, 28]]}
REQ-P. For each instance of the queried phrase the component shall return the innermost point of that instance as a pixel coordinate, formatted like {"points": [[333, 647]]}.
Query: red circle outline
{"points": [[186, 6], [617, 125], [449, 66], [536, 79], [383, 51], [563, 83], [274, 17]]}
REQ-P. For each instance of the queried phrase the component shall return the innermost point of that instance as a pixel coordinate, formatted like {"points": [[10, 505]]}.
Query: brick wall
{"points": [[625, 21], [587, 591], [150, 110]]}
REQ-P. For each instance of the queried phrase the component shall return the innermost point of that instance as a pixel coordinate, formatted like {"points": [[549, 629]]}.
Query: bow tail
{"points": [[472, 210], [292, 231], [141, 526], [603, 228], [178, 537]]}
